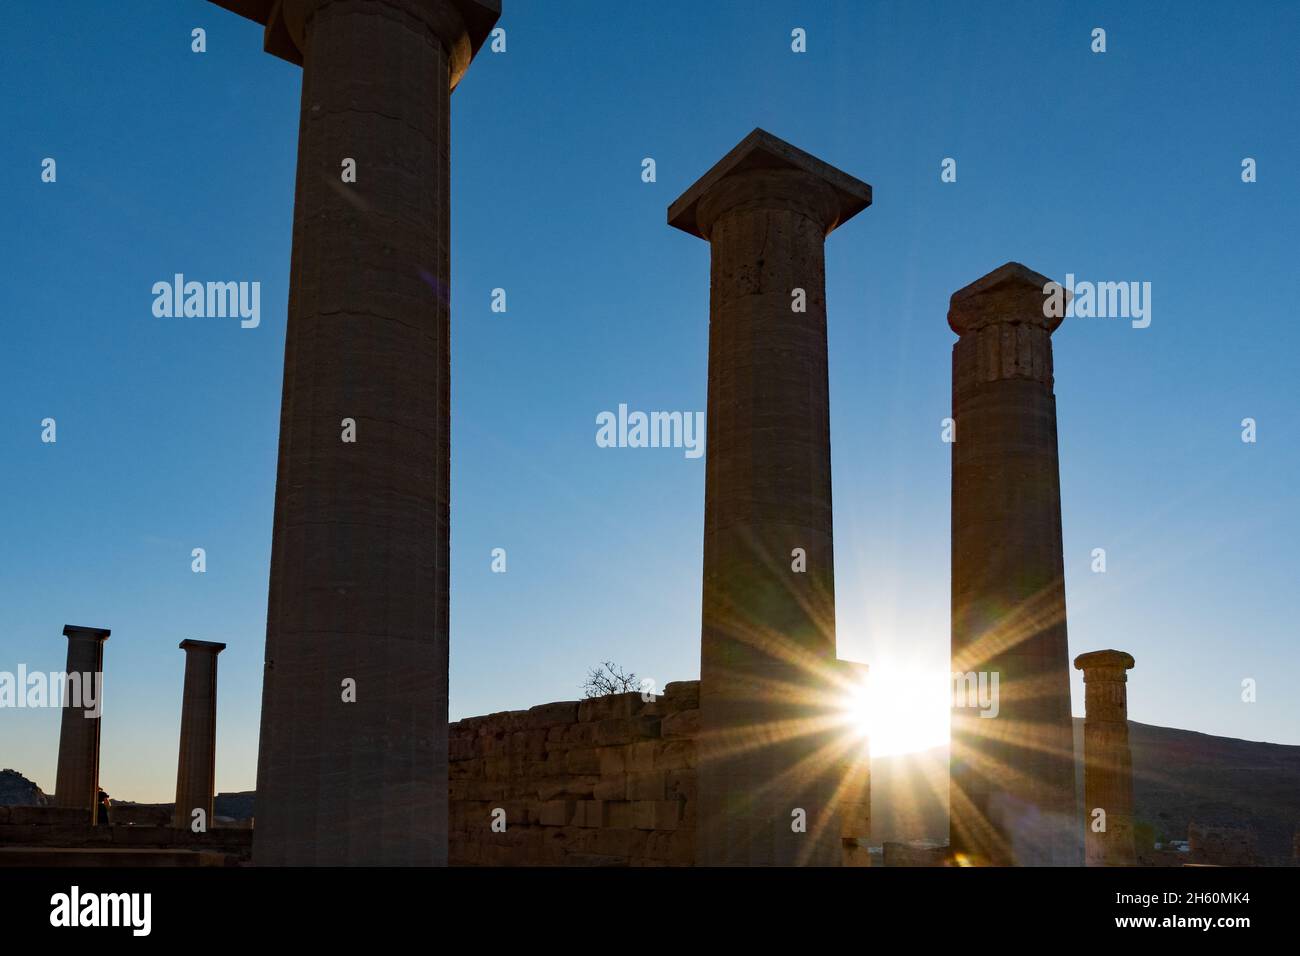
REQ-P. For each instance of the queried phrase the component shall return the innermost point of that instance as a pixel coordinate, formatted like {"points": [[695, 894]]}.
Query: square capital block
{"points": [[86, 633], [211, 647], [284, 21], [760, 150]]}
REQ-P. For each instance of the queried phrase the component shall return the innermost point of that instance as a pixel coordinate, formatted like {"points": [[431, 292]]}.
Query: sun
{"points": [[899, 709]]}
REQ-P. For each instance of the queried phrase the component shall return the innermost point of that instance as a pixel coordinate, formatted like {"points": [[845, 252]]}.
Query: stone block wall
{"points": [[608, 781]]}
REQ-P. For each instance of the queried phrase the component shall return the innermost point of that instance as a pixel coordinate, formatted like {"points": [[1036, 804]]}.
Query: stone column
{"points": [[352, 766], [76, 783], [767, 656], [1012, 775], [196, 767], [1107, 760]]}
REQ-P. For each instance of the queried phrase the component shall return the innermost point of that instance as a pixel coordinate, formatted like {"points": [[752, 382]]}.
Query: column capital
{"points": [[1108, 664], [763, 169], [90, 633], [1012, 294], [462, 25], [211, 647]]}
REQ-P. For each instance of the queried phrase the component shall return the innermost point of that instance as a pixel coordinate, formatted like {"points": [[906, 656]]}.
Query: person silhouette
{"points": [[104, 803]]}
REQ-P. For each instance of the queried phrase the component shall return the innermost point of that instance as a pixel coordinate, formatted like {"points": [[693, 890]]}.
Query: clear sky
{"points": [[1115, 166]]}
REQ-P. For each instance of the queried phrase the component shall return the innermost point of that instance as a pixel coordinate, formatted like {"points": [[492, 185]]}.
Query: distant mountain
{"points": [[17, 791], [1179, 777]]}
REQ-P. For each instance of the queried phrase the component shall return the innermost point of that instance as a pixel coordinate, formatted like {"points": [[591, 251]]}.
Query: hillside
{"points": [[1178, 776], [17, 791]]}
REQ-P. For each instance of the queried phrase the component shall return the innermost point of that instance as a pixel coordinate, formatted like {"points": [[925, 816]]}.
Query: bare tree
{"points": [[608, 679]]}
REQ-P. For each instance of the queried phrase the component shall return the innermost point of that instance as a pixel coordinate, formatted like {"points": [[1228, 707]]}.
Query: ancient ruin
{"points": [[1107, 760], [356, 638], [1012, 795], [767, 650], [77, 780], [751, 765], [196, 765]]}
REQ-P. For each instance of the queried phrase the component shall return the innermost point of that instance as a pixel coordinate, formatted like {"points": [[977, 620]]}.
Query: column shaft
{"points": [[1107, 760], [196, 767], [77, 777], [360, 551], [767, 662], [1012, 776]]}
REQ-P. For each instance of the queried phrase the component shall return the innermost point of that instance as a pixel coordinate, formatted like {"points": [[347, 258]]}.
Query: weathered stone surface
{"points": [[582, 760], [640, 757], [589, 813], [675, 755], [613, 761], [611, 788], [558, 714], [646, 786], [1012, 777], [681, 785], [679, 695], [683, 724], [855, 820], [610, 707], [657, 814], [626, 730], [557, 813]]}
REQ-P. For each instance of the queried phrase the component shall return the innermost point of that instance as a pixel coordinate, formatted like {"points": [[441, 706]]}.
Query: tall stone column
{"points": [[1107, 759], [196, 767], [1012, 775], [767, 655], [352, 767], [76, 782]]}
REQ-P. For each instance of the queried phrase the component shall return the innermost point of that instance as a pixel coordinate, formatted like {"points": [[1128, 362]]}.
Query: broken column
{"points": [[196, 767], [1107, 760], [1012, 770], [76, 783], [767, 655], [352, 765]]}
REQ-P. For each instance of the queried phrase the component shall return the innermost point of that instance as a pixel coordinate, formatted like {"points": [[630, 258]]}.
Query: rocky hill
{"points": [[17, 791]]}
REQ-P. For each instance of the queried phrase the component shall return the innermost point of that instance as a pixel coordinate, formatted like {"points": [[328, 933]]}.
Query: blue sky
{"points": [[1116, 166]]}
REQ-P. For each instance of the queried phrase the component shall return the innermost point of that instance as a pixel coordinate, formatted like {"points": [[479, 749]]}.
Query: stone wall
{"points": [[608, 781], [64, 836]]}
